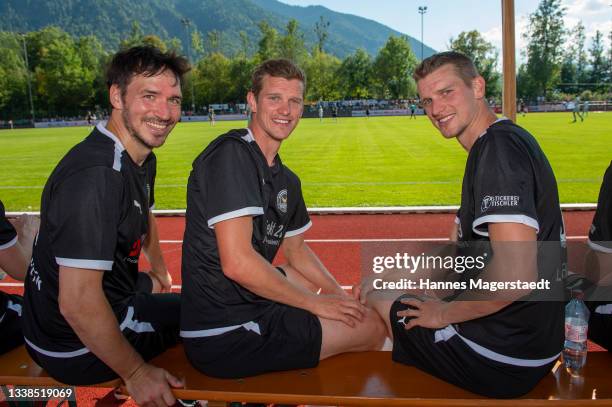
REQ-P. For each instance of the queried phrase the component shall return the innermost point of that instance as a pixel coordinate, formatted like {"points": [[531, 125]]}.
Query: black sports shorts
{"points": [[283, 338], [150, 323], [452, 360], [10, 323], [600, 324]]}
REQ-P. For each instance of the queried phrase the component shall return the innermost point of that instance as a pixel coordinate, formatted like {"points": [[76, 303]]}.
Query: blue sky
{"points": [[446, 18]]}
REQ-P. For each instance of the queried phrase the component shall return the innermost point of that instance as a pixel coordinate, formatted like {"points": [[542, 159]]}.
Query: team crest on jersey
{"points": [[498, 200], [281, 201]]}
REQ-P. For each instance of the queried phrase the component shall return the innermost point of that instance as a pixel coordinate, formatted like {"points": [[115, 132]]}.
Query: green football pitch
{"points": [[380, 161]]}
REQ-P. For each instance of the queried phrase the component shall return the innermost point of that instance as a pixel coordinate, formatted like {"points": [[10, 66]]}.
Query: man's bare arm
{"points": [[153, 252], [302, 258], [83, 303], [16, 259], [241, 263], [507, 264]]}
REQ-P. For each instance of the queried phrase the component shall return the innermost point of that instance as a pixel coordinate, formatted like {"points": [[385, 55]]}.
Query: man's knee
{"points": [[382, 306], [376, 325], [368, 334]]}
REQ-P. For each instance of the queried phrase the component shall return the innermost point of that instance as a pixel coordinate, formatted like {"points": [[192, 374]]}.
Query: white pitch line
{"points": [[407, 239], [11, 284], [174, 286], [350, 210], [390, 240], [344, 287], [426, 239]]}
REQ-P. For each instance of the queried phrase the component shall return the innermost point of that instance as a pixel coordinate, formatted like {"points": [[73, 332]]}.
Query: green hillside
{"points": [[111, 20]]}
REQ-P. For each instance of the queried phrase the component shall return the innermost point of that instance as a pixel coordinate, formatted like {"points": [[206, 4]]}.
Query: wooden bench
{"points": [[356, 379]]}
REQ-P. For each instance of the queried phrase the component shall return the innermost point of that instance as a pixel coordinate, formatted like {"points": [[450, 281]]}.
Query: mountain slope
{"points": [[111, 20], [345, 30]]}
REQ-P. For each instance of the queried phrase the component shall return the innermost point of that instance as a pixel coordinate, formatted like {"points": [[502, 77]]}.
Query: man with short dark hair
{"points": [[240, 315], [498, 346], [89, 315]]}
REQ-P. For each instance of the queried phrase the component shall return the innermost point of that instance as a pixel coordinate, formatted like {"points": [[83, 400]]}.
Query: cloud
{"points": [[494, 36], [587, 8]]}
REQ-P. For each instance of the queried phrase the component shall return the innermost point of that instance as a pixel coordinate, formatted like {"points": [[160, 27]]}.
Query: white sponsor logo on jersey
{"points": [[498, 200], [281, 201]]}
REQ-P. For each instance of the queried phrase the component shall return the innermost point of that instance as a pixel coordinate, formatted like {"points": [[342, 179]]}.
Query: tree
{"points": [[393, 67], [13, 80], [245, 44], [153, 41], [355, 75], [240, 73], [94, 58], [197, 45], [545, 36], [568, 75], [579, 52], [62, 81], [524, 84], [321, 30], [597, 60], [240, 70], [291, 45], [573, 67], [137, 37], [321, 71], [213, 40], [484, 55], [212, 82], [134, 38], [174, 44], [268, 43], [609, 62]]}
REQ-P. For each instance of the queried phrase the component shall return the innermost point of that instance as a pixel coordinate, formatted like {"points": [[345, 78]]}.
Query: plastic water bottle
{"points": [[576, 327]]}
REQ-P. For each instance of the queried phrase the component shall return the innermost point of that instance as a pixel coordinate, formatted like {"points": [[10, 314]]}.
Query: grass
{"points": [[380, 161]]}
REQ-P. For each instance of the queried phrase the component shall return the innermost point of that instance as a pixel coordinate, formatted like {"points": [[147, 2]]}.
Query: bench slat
{"points": [[17, 368], [364, 379], [372, 378]]}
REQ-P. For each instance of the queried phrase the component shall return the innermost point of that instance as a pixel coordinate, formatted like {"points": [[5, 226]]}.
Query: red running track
{"points": [[328, 238], [336, 239]]}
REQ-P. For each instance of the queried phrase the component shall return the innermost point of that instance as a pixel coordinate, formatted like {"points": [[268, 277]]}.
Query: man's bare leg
{"points": [[338, 337]]}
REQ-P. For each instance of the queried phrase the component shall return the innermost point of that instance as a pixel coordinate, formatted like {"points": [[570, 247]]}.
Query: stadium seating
{"points": [[368, 378]]}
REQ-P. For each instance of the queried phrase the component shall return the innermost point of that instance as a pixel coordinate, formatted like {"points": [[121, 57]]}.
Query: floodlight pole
{"points": [[509, 60], [187, 23], [422, 10], [25, 56]]}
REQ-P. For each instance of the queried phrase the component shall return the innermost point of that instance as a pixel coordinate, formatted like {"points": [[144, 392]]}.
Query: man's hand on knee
{"points": [[338, 307], [362, 290], [150, 385]]}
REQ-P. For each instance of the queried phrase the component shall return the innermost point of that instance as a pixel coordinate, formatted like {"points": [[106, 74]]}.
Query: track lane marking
{"points": [[174, 286], [408, 239]]}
